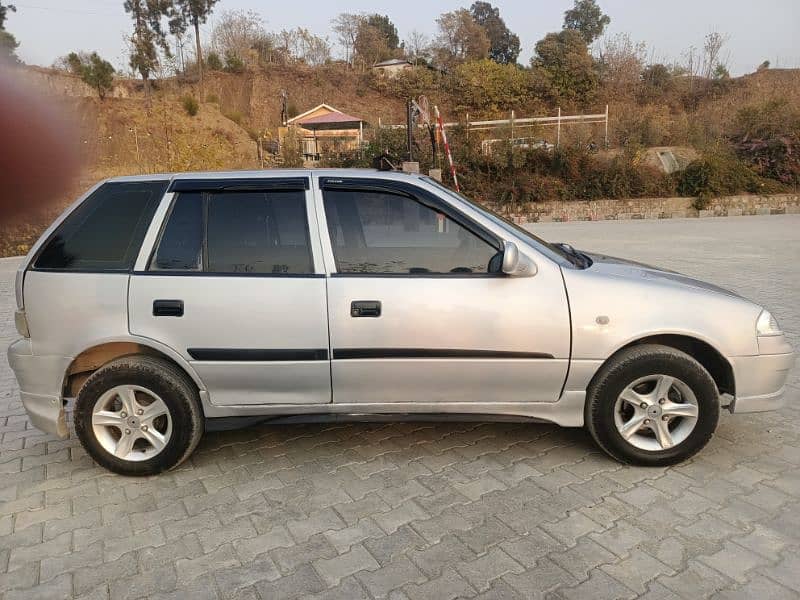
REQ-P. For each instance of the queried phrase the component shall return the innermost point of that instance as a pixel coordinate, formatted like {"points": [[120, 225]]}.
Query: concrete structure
{"points": [[392, 67], [650, 208]]}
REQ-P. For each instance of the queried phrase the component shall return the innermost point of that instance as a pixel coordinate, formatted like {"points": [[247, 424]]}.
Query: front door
{"points": [[235, 285], [420, 312]]}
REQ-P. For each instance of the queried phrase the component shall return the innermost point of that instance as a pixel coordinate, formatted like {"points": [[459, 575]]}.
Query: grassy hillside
{"points": [[124, 136], [127, 135]]}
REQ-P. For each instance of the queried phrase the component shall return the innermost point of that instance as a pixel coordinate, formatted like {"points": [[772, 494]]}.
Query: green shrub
{"points": [[213, 62], [488, 87], [213, 98], [716, 174], [190, 105], [233, 63]]}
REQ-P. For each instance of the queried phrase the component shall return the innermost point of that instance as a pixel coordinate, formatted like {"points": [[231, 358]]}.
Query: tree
{"points": [[587, 18], [236, 34], [8, 43], [712, 54], [192, 13], [93, 70], [460, 38], [488, 86], [620, 63], [417, 47], [148, 36], [387, 30], [657, 81], [345, 26], [4, 10], [563, 62], [503, 44], [299, 45], [371, 44]]}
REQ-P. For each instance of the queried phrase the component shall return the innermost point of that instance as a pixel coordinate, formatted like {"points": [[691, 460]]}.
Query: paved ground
{"points": [[427, 510]]}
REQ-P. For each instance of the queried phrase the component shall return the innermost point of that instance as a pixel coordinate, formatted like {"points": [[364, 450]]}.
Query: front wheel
{"points": [[652, 405], [138, 415]]}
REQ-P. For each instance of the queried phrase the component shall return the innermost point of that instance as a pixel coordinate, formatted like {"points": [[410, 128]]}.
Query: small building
{"points": [[326, 131], [392, 67]]}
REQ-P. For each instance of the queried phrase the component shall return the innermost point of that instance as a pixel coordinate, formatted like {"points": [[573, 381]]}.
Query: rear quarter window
{"points": [[106, 231]]}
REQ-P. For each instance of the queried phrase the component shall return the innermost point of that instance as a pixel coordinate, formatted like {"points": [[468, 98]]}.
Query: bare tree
{"points": [[621, 62], [301, 45], [418, 46], [712, 54], [236, 34], [312, 49], [345, 26], [460, 38]]}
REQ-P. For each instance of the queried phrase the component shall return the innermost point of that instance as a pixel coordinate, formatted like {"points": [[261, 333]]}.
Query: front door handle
{"points": [[365, 308], [167, 308]]}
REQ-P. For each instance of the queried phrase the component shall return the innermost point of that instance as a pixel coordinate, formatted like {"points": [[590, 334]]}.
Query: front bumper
{"points": [[40, 379], [761, 379]]}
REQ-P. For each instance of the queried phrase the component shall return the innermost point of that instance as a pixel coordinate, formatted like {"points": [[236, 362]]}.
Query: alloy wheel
{"points": [[131, 423], [656, 412]]}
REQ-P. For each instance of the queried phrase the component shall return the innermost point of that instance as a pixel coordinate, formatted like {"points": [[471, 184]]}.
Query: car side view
{"points": [[159, 307]]}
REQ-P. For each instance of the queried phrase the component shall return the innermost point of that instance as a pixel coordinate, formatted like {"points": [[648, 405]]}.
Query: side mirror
{"points": [[515, 263]]}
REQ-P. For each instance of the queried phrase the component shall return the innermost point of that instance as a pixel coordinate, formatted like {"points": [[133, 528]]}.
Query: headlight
{"points": [[767, 325]]}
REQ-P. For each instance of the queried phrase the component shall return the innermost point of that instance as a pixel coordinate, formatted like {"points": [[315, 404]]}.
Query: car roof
{"points": [[269, 174]]}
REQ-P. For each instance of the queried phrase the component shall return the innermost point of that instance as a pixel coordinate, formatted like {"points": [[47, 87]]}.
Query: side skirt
{"points": [[567, 412]]}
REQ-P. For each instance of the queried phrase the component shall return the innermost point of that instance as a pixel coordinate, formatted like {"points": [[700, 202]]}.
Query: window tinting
{"points": [[246, 232], [258, 232], [377, 232], [105, 232], [181, 245]]}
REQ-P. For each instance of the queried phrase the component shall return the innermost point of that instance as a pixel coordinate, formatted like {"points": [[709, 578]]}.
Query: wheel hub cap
{"points": [[656, 412], [129, 437]]}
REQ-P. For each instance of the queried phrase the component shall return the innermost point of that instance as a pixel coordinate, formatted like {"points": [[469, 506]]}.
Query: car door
{"points": [[235, 285], [419, 311]]}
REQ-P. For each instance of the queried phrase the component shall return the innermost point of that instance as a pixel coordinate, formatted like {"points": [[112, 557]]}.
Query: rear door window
{"points": [[106, 231], [263, 232]]}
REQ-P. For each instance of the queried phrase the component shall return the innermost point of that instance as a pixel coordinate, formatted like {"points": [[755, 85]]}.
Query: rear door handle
{"points": [[167, 308], [365, 308]]}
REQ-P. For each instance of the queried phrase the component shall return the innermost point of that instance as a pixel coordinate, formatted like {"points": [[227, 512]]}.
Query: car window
{"points": [[181, 246], [245, 232], [106, 231], [382, 232]]}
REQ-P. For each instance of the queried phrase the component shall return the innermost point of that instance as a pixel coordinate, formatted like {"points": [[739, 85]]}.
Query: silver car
{"points": [[164, 306]]}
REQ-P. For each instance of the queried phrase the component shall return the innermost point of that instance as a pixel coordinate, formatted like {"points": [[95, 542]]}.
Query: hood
{"points": [[620, 267]]}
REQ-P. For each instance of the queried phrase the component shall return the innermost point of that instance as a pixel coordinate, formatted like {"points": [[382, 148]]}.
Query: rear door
{"points": [[420, 312], [235, 284]]}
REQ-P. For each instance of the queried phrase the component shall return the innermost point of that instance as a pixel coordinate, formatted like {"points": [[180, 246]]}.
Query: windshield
{"points": [[504, 222]]}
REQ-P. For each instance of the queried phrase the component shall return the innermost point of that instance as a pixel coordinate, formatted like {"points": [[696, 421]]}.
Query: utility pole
{"points": [[409, 132]]}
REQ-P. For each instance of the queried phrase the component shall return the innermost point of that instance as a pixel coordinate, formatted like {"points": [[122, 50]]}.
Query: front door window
{"points": [[377, 232]]}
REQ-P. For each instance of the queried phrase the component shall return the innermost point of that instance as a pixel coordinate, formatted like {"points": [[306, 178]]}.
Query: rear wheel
{"points": [[138, 415], [652, 405]]}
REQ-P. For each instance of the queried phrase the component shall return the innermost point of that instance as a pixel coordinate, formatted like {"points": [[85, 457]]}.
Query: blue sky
{"points": [[763, 30]]}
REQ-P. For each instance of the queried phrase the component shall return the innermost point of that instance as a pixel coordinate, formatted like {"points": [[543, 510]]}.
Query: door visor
{"points": [[251, 184]]}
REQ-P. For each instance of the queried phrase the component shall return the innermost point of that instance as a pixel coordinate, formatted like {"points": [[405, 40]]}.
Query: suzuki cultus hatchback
{"points": [[159, 307]]}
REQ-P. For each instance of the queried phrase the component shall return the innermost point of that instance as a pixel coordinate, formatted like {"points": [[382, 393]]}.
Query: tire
{"points": [[644, 390], [171, 422]]}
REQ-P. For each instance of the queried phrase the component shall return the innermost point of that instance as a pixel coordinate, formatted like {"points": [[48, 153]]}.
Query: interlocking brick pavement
{"points": [[419, 510]]}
